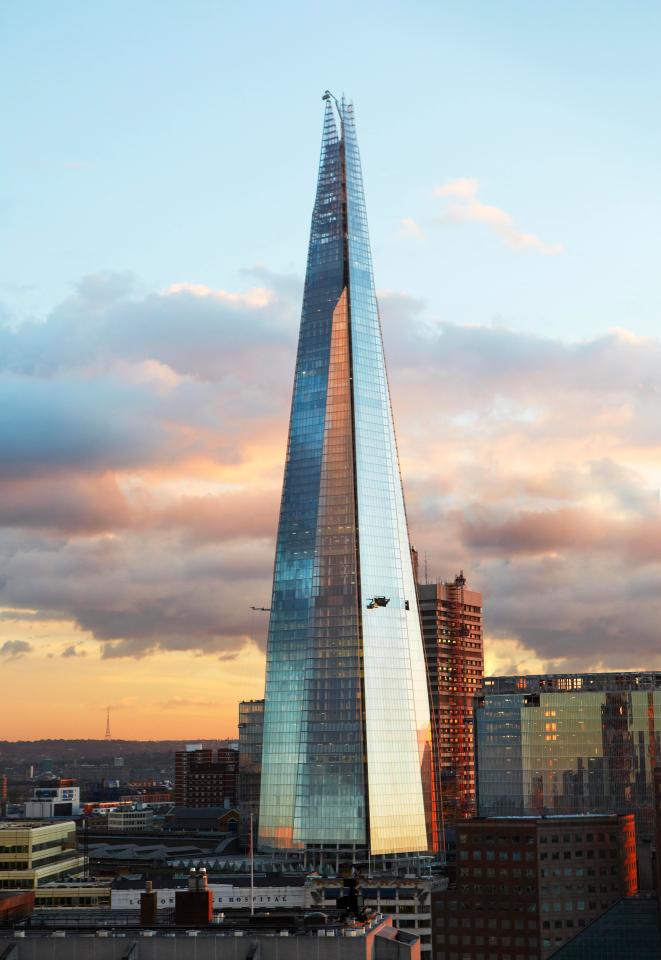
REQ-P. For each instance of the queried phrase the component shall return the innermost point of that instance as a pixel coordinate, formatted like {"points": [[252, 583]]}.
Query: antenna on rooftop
{"points": [[108, 733]]}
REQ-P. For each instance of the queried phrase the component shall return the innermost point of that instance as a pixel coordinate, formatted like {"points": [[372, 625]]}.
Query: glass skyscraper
{"points": [[569, 743], [346, 760]]}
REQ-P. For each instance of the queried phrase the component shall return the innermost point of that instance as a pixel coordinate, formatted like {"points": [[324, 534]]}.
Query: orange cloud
{"points": [[141, 474]]}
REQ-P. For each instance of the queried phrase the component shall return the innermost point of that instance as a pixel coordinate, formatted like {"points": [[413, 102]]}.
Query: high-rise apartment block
{"points": [[452, 632], [346, 765], [569, 743], [251, 736], [526, 886], [202, 780]]}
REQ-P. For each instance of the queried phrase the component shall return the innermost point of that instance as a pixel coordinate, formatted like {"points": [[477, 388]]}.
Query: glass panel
{"points": [[397, 721], [571, 751], [346, 688]]}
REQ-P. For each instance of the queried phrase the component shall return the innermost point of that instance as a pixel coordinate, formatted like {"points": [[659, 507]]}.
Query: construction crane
{"points": [[262, 609]]}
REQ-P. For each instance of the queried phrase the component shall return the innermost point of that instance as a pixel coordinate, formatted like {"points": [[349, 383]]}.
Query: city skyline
{"points": [[153, 223]]}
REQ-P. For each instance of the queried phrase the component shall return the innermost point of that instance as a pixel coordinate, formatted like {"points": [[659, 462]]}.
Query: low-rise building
{"points": [[297, 937], [133, 820], [408, 900], [33, 853], [93, 894], [54, 797], [270, 892]]}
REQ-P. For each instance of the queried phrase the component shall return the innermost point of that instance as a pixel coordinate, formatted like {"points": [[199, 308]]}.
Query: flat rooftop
{"points": [[34, 824], [574, 682]]}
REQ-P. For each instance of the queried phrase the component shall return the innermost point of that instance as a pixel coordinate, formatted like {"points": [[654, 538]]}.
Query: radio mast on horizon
{"points": [[108, 733]]}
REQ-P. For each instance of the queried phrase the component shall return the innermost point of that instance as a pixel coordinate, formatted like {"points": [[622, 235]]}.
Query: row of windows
{"points": [[515, 855], [490, 941], [505, 922], [578, 855], [492, 955]]}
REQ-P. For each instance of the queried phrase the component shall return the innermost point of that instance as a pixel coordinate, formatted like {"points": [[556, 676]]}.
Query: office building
{"points": [[202, 780], [251, 735], [53, 797], [72, 895], [33, 853], [133, 820], [408, 900], [452, 632], [569, 743], [346, 763], [526, 886]]}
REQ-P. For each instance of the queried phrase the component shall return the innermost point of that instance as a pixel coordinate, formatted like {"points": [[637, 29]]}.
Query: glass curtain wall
{"points": [[569, 752], [346, 723]]}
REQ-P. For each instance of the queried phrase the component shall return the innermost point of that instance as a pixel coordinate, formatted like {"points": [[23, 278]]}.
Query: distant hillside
{"points": [[95, 749]]}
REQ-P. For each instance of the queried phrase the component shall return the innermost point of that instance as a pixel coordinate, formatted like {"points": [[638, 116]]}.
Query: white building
{"points": [[406, 899], [125, 895], [53, 799], [130, 821]]}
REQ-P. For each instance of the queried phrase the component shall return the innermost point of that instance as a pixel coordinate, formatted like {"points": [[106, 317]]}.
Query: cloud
{"points": [[12, 649], [143, 442], [78, 165], [186, 703], [73, 651], [464, 206], [411, 228]]}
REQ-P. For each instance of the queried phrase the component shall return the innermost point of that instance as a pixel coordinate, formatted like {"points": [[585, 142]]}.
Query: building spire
{"points": [[347, 748]]}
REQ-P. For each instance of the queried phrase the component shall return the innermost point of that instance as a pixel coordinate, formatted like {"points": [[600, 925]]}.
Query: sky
{"points": [[156, 183]]}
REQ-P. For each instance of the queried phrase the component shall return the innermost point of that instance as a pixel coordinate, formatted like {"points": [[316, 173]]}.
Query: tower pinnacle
{"points": [[347, 750]]}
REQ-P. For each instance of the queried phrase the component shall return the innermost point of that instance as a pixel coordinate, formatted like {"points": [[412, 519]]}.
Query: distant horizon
{"points": [[186, 740]]}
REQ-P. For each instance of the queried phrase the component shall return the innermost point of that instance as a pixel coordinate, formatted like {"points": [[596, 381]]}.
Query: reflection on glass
{"points": [[576, 751], [346, 722]]}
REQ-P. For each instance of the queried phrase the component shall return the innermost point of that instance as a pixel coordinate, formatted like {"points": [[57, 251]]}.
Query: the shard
{"points": [[347, 752]]}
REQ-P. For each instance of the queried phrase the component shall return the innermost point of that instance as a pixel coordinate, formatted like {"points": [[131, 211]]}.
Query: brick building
{"points": [[202, 780], [452, 632], [526, 886]]}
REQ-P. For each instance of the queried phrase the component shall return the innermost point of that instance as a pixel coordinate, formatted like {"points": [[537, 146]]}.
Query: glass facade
{"points": [[251, 736], [346, 723], [569, 747]]}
